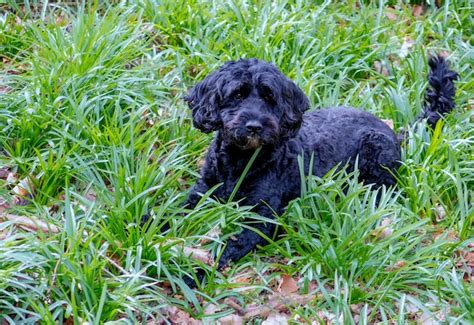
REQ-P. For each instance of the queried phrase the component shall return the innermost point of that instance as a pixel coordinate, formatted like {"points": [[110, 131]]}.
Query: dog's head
{"points": [[250, 101]]}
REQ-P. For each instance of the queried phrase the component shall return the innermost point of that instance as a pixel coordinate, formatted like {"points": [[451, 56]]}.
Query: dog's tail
{"points": [[439, 98]]}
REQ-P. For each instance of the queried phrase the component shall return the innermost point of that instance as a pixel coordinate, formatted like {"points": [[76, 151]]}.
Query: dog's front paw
{"points": [[191, 281], [145, 219]]}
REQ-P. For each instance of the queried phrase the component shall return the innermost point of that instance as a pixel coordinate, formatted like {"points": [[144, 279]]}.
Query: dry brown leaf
{"points": [[177, 316], [384, 230], [444, 54], [30, 223], [381, 68], [396, 266], [232, 303], [12, 178], [440, 212], [211, 309], [355, 308], [417, 11], [287, 285], [5, 90], [214, 233], [91, 195], [3, 235], [276, 302], [232, 319], [391, 14], [450, 235], [195, 253], [328, 318], [427, 319], [466, 263], [406, 46], [389, 123], [24, 189], [247, 276], [200, 163], [4, 171], [276, 319], [199, 254], [3, 204]]}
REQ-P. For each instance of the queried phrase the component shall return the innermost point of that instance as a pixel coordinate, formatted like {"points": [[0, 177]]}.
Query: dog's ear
{"points": [[296, 104], [203, 100]]}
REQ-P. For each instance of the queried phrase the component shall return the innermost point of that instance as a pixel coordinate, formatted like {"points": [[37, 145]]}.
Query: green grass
{"points": [[91, 113]]}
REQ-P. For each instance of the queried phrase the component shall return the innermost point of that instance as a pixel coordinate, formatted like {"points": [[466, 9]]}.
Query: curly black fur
{"points": [[251, 104], [439, 98]]}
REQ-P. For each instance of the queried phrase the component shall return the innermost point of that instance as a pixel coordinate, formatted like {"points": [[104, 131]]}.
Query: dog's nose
{"points": [[253, 126]]}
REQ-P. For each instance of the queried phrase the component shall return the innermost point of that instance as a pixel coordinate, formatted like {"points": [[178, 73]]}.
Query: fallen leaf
{"points": [[287, 285], [3, 204], [396, 266], [232, 303], [355, 308], [214, 233], [247, 276], [195, 253], [4, 90], [381, 68], [30, 223], [4, 171], [230, 320], [427, 319], [390, 13], [276, 302], [417, 11], [12, 178], [328, 318], [211, 309], [3, 235], [199, 254], [24, 189], [411, 308], [449, 235], [389, 123], [406, 46], [384, 230], [200, 163], [276, 319], [466, 263], [439, 212], [177, 316], [91, 195]]}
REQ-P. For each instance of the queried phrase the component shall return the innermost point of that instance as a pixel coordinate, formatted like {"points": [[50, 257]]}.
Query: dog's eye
{"points": [[266, 94], [268, 98], [239, 93]]}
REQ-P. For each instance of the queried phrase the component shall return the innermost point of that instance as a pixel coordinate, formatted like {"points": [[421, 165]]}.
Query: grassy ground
{"points": [[94, 133]]}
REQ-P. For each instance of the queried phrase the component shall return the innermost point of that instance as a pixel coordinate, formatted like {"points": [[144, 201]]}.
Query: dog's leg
{"points": [[195, 194], [247, 240], [379, 155]]}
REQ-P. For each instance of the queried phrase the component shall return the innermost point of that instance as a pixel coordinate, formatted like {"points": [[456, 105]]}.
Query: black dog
{"points": [[251, 105]]}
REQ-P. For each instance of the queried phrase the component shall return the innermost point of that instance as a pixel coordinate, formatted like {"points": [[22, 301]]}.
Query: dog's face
{"points": [[250, 101]]}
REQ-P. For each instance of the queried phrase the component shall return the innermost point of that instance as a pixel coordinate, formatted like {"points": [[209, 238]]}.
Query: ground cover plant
{"points": [[94, 133]]}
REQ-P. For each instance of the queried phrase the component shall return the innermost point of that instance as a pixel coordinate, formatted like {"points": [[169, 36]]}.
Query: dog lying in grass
{"points": [[251, 105]]}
